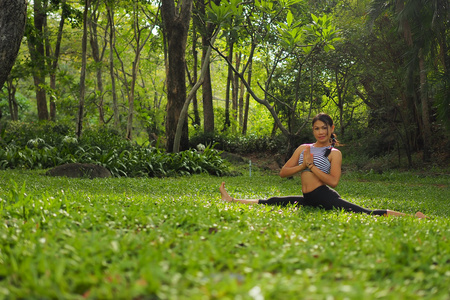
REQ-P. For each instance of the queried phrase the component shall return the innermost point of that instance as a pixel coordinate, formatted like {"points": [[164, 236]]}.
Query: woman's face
{"points": [[322, 132]]}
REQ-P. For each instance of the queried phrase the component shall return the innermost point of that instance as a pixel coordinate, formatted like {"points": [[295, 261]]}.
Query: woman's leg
{"points": [[280, 201], [228, 198], [418, 214], [327, 198], [330, 199], [323, 197]]}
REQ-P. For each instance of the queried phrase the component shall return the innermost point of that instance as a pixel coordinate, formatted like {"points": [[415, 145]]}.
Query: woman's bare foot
{"points": [[421, 215], [225, 195]]}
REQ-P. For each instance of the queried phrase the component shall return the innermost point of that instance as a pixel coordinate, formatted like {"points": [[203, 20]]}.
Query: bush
{"points": [[240, 144], [104, 137], [48, 145], [20, 133]]}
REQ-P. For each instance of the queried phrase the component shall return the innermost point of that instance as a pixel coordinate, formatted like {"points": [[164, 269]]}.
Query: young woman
{"points": [[320, 167]]}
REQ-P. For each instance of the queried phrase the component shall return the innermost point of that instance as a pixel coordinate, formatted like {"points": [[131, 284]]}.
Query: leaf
{"points": [[315, 19], [289, 18]]}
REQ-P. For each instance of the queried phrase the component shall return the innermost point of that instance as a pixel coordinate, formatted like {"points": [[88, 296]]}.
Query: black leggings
{"points": [[322, 197]]}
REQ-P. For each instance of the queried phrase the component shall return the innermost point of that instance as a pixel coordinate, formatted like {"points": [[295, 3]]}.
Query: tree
{"points": [[391, 108], [112, 42], [35, 39], [176, 20], [141, 35], [206, 29], [98, 52], [80, 115], [45, 59], [193, 79], [55, 56], [284, 41], [423, 24], [12, 27], [184, 111]]}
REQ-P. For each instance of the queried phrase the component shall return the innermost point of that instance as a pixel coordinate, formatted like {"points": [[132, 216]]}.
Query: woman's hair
{"points": [[329, 122]]}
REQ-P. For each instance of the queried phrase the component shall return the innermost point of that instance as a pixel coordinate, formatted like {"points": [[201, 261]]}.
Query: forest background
{"points": [[247, 76]]}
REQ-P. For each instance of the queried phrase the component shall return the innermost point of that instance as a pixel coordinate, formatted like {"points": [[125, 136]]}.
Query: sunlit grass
{"points": [[172, 238]]}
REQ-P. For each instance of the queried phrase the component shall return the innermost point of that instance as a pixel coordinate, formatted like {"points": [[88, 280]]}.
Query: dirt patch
{"points": [[265, 161]]}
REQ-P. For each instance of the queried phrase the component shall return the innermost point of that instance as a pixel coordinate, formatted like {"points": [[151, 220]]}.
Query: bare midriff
{"points": [[310, 182]]}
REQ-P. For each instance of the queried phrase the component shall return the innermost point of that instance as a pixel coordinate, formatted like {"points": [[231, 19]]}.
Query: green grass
{"points": [[172, 238]]}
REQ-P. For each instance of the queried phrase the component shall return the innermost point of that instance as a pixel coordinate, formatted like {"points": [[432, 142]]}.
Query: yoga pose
{"points": [[320, 167]]}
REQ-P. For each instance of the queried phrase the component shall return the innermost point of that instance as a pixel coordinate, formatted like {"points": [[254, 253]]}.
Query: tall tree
{"points": [[80, 115], [417, 22], [141, 35], [13, 15], [55, 55], [98, 52], [206, 29], [192, 92], [35, 39], [286, 40], [112, 41], [247, 98], [45, 58], [12, 101], [193, 79], [176, 20]]}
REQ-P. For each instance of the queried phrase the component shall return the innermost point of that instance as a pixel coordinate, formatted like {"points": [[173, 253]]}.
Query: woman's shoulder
{"points": [[335, 150], [335, 153]]}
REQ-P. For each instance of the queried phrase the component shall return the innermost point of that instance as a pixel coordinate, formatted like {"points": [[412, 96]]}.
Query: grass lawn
{"points": [[172, 238]]}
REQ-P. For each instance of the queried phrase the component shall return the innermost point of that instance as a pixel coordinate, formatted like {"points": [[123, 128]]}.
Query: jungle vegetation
{"points": [[169, 72]]}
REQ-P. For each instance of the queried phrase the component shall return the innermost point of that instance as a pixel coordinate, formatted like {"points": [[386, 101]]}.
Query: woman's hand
{"points": [[291, 166], [308, 157]]}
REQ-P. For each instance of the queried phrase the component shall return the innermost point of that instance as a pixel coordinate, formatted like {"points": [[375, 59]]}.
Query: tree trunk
{"points": [[176, 19], [98, 58], [83, 71], [235, 90], [208, 108], [55, 58], [37, 55], [247, 98], [426, 131], [207, 94], [241, 104], [196, 121], [112, 40], [135, 68], [183, 114], [13, 105], [227, 123], [13, 15]]}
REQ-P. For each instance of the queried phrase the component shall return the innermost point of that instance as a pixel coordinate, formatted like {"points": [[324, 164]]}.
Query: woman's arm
{"points": [[292, 167], [333, 178]]}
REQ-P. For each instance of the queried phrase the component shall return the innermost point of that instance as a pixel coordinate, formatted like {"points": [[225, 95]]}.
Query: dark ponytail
{"points": [[334, 141]]}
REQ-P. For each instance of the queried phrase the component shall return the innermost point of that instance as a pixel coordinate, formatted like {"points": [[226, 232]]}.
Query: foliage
{"points": [[173, 238], [49, 145], [240, 144], [20, 133], [371, 67]]}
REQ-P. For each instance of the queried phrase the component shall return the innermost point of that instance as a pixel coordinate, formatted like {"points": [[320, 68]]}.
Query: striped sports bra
{"points": [[320, 160]]}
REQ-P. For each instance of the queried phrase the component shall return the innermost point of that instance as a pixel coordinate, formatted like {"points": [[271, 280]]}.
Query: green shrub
{"points": [[21, 133], [240, 144], [104, 137], [46, 145]]}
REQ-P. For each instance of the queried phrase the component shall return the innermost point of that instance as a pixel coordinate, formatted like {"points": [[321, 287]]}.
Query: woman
{"points": [[320, 167]]}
